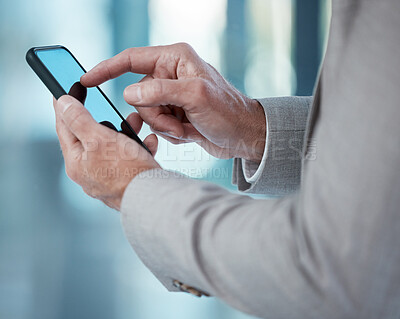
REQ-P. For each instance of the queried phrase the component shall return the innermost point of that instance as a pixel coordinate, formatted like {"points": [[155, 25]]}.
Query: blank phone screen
{"points": [[67, 72]]}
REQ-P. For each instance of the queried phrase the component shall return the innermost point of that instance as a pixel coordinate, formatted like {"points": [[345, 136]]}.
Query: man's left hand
{"points": [[98, 158]]}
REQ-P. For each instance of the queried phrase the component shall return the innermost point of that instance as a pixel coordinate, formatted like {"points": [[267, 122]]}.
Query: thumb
{"points": [[76, 117], [182, 92]]}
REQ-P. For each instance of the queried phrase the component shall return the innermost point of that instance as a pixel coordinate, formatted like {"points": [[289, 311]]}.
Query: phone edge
{"points": [[56, 89], [43, 73]]}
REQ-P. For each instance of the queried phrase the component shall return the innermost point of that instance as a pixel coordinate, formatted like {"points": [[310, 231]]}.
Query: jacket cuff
{"points": [[280, 169], [154, 229]]}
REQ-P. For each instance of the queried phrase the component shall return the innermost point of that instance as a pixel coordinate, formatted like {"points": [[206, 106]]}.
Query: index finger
{"points": [[137, 60]]}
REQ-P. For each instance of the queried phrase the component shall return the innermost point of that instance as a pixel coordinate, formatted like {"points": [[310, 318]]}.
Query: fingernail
{"points": [[64, 104], [133, 93]]}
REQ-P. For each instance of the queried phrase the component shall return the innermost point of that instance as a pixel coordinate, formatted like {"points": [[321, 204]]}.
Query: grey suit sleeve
{"points": [[281, 163], [301, 256], [249, 253]]}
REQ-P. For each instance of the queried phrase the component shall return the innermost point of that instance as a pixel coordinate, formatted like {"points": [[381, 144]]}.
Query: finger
{"points": [[184, 93], [162, 118], [78, 91], [171, 139], [161, 122], [109, 125], [65, 136], [135, 121], [138, 60], [151, 142], [190, 135], [76, 118]]}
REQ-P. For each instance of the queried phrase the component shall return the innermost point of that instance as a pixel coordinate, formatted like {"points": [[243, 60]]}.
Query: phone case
{"points": [[43, 73], [56, 89]]}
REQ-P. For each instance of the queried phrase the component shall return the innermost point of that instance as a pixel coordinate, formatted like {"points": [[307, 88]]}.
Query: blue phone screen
{"points": [[67, 72]]}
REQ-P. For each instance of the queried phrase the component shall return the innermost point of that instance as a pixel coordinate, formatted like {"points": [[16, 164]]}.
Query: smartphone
{"points": [[60, 72]]}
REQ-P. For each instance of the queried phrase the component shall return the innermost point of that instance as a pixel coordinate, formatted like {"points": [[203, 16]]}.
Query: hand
{"points": [[98, 158], [184, 99]]}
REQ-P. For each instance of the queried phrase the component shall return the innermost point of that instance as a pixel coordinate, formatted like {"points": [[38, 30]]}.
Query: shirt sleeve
{"points": [[252, 170]]}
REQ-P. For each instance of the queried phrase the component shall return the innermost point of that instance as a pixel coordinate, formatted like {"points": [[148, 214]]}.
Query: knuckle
{"points": [[184, 47], [105, 65], [102, 64], [202, 90], [126, 54], [128, 51]]}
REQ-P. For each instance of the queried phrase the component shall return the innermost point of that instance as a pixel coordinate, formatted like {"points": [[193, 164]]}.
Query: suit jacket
{"points": [[327, 249]]}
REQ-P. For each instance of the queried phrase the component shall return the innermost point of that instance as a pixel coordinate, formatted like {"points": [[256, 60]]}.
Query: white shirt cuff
{"points": [[252, 170]]}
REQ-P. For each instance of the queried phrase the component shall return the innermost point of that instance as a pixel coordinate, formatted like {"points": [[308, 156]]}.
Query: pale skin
{"points": [[182, 98]]}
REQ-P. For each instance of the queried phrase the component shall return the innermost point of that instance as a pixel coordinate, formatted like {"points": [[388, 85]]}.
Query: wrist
{"points": [[254, 132], [131, 174]]}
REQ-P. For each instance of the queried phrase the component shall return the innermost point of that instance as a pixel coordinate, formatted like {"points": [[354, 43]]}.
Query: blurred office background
{"points": [[64, 255]]}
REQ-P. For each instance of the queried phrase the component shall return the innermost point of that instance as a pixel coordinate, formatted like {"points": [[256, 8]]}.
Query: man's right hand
{"points": [[184, 99]]}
